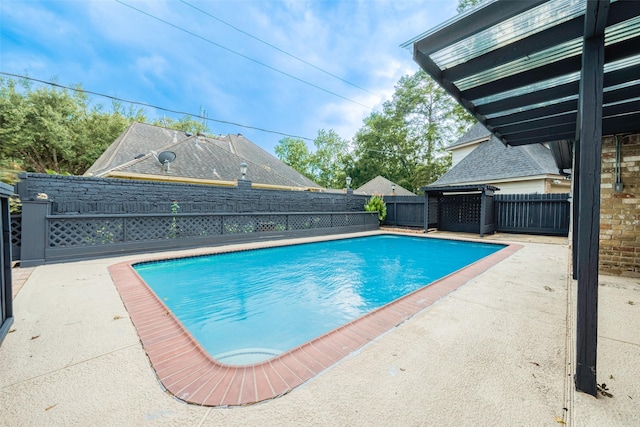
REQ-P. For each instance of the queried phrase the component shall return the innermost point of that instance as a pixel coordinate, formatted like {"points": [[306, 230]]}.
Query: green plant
{"points": [[104, 234], [15, 204], [230, 228], [173, 227], [377, 204]]}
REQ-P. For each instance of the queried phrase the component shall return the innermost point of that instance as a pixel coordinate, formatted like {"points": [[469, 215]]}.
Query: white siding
{"points": [[458, 154], [520, 187]]}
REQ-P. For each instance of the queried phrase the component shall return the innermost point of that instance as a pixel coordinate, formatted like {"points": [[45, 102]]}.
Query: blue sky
{"points": [[108, 47]]}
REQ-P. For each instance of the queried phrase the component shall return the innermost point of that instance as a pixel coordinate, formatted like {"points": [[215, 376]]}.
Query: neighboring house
{"points": [[480, 158], [137, 152], [383, 187]]}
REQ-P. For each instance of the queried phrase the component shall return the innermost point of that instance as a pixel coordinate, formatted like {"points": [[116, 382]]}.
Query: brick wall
{"points": [[620, 212], [76, 194]]}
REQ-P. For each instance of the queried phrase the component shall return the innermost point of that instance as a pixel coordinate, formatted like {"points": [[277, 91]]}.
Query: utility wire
{"points": [[184, 113], [240, 54], [114, 98], [281, 50]]}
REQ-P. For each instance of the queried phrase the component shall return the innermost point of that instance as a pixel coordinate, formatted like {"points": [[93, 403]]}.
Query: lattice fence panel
{"points": [[460, 209], [370, 219], [196, 226], [344, 220], [85, 232], [266, 223], [151, 228], [239, 224], [16, 236], [305, 222]]}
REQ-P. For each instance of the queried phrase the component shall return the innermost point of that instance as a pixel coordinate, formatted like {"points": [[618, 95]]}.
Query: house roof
{"points": [[216, 159], [382, 186], [492, 160], [517, 65], [476, 133]]}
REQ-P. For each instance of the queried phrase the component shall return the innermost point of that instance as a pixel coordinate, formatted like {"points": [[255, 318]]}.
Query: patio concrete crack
{"points": [[70, 365], [617, 340]]}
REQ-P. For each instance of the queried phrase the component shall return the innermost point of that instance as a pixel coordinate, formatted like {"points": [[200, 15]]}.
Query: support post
{"points": [[483, 213], [6, 294], [588, 229], [426, 211], [575, 205], [34, 232]]}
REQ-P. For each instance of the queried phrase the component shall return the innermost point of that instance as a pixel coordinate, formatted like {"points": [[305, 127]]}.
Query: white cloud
{"points": [[116, 50], [150, 66]]}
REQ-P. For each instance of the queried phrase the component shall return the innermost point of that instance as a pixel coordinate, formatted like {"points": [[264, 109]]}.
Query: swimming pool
{"points": [[247, 307], [186, 370]]}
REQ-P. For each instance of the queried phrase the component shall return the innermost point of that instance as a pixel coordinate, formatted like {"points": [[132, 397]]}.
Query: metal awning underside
{"points": [[515, 66]]}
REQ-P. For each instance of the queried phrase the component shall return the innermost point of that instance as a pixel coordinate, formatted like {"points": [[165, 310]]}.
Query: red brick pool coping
{"points": [[187, 371]]}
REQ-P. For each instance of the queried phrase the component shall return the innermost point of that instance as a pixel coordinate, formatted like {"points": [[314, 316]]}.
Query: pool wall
{"points": [[187, 371]]}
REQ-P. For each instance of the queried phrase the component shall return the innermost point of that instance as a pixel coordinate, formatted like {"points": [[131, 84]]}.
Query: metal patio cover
{"points": [[515, 66]]}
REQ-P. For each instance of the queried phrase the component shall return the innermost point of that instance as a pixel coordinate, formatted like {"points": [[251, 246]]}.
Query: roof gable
{"points": [[382, 186], [493, 160], [137, 139], [196, 157], [476, 133]]}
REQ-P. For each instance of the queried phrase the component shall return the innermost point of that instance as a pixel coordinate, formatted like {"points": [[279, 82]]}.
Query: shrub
{"points": [[377, 204]]}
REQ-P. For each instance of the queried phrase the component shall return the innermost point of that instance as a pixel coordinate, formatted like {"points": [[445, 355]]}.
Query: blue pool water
{"points": [[244, 307]]}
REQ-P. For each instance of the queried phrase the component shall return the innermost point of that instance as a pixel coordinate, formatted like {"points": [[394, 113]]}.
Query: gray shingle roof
{"points": [[492, 160], [382, 186], [475, 133], [138, 138], [211, 158]]}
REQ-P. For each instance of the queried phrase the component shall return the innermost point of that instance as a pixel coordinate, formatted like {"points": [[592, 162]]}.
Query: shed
{"points": [[462, 208]]}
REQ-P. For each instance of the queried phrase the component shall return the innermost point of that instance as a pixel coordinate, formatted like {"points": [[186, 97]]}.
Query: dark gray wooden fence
{"points": [[61, 238], [85, 217], [546, 214], [543, 214], [6, 295], [406, 211], [16, 236]]}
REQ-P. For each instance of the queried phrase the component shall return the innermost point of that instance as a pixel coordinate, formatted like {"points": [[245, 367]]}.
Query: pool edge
{"points": [[187, 371]]}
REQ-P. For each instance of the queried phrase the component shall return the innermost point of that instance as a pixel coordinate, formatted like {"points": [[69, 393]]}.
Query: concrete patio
{"points": [[498, 351]]}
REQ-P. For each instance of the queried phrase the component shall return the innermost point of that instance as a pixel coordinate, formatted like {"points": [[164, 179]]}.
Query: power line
{"points": [[144, 104], [281, 50], [241, 55], [184, 113]]}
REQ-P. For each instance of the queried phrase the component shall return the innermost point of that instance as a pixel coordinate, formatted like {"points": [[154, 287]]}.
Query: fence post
{"points": [[6, 293], [426, 212], [34, 232]]}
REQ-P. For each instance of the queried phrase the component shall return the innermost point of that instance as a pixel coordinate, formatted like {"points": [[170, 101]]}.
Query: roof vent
{"points": [[188, 133], [139, 156]]}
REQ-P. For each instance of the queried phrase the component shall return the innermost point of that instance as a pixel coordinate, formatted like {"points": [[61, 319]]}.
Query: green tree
{"points": [[467, 4], [328, 165], [49, 129], [330, 159], [184, 124], [405, 142], [294, 152]]}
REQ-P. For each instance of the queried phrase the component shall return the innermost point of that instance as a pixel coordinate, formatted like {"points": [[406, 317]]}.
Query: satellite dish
{"points": [[166, 157]]}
